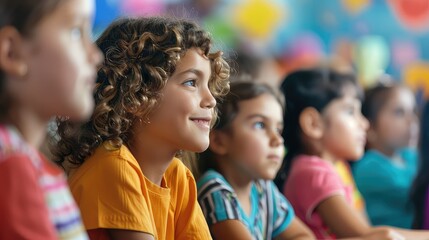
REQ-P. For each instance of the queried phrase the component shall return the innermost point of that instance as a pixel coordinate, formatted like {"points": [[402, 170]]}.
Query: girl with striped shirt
{"points": [[236, 192]]}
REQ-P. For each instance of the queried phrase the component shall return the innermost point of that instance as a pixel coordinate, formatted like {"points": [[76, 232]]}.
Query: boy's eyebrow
{"points": [[197, 72]]}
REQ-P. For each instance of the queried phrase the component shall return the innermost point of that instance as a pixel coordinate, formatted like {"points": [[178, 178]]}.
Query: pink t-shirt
{"points": [[312, 180]]}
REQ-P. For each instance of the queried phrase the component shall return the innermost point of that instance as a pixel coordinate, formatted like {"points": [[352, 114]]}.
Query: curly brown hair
{"points": [[140, 56]]}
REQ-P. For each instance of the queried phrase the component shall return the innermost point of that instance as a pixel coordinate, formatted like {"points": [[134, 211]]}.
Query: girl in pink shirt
{"points": [[323, 125]]}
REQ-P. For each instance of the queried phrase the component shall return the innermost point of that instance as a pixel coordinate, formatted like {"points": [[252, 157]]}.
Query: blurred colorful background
{"points": [[373, 37]]}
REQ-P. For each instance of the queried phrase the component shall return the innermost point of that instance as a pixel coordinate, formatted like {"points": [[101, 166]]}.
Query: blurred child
{"points": [[387, 169], [420, 193], [236, 193], [155, 96], [47, 68], [324, 124]]}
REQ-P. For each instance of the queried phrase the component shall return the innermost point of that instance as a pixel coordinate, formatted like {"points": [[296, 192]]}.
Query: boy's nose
{"points": [[208, 101]]}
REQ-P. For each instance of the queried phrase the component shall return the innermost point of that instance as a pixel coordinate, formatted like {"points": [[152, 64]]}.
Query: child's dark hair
{"points": [[375, 99], [245, 66], [140, 55], [421, 182], [228, 109], [23, 15], [314, 88]]}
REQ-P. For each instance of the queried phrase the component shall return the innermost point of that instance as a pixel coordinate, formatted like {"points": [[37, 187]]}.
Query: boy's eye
{"points": [[259, 125], [190, 83]]}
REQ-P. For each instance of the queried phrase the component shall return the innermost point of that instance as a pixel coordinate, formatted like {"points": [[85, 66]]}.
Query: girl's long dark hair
{"points": [[315, 88], [421, 182]]}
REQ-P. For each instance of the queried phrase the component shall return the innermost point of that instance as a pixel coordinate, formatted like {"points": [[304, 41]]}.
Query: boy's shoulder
{"points": [[178, 173], [177, 167]]}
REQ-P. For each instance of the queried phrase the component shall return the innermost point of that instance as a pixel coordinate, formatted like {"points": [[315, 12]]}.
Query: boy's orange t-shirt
{"points": [[112, 192]]}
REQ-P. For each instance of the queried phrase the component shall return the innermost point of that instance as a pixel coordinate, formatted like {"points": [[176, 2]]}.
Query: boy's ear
{"points": [[11, 60], [218, 143], [311, 123]]}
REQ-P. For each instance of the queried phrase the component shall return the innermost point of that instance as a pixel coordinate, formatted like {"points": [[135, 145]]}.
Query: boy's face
{"points": [[183, 117], [393, 127], [344, 134], [61, 60], [252, 144]]}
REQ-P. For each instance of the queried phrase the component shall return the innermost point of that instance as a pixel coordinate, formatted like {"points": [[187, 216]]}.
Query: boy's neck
{"points": [[152, 156]]}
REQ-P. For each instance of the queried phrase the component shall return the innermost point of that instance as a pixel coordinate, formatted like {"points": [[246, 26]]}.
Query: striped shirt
{"points": [[63, 214], [270, 215]]}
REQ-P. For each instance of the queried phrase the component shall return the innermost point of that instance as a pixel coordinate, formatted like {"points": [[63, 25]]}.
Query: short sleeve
{"points": [[190, 222], [24, 214], [112, 194], [320, 182], [218, 201], [283, 212]]}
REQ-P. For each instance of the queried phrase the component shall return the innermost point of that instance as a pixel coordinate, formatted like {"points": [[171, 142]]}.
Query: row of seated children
{"points": [[155, 95]]}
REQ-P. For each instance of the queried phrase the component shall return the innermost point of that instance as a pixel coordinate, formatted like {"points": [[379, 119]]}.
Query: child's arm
{"points": [[341, 218], [377, 233], [346, 222], [119, 234], [413, 234], [296, 230], [230, 229]]}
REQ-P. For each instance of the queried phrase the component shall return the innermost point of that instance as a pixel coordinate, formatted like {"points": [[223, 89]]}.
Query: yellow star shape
{"points": [[355, 6], [258, 18]]}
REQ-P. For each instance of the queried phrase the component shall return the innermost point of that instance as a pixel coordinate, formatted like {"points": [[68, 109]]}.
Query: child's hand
{"points": [[383, 233]]}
